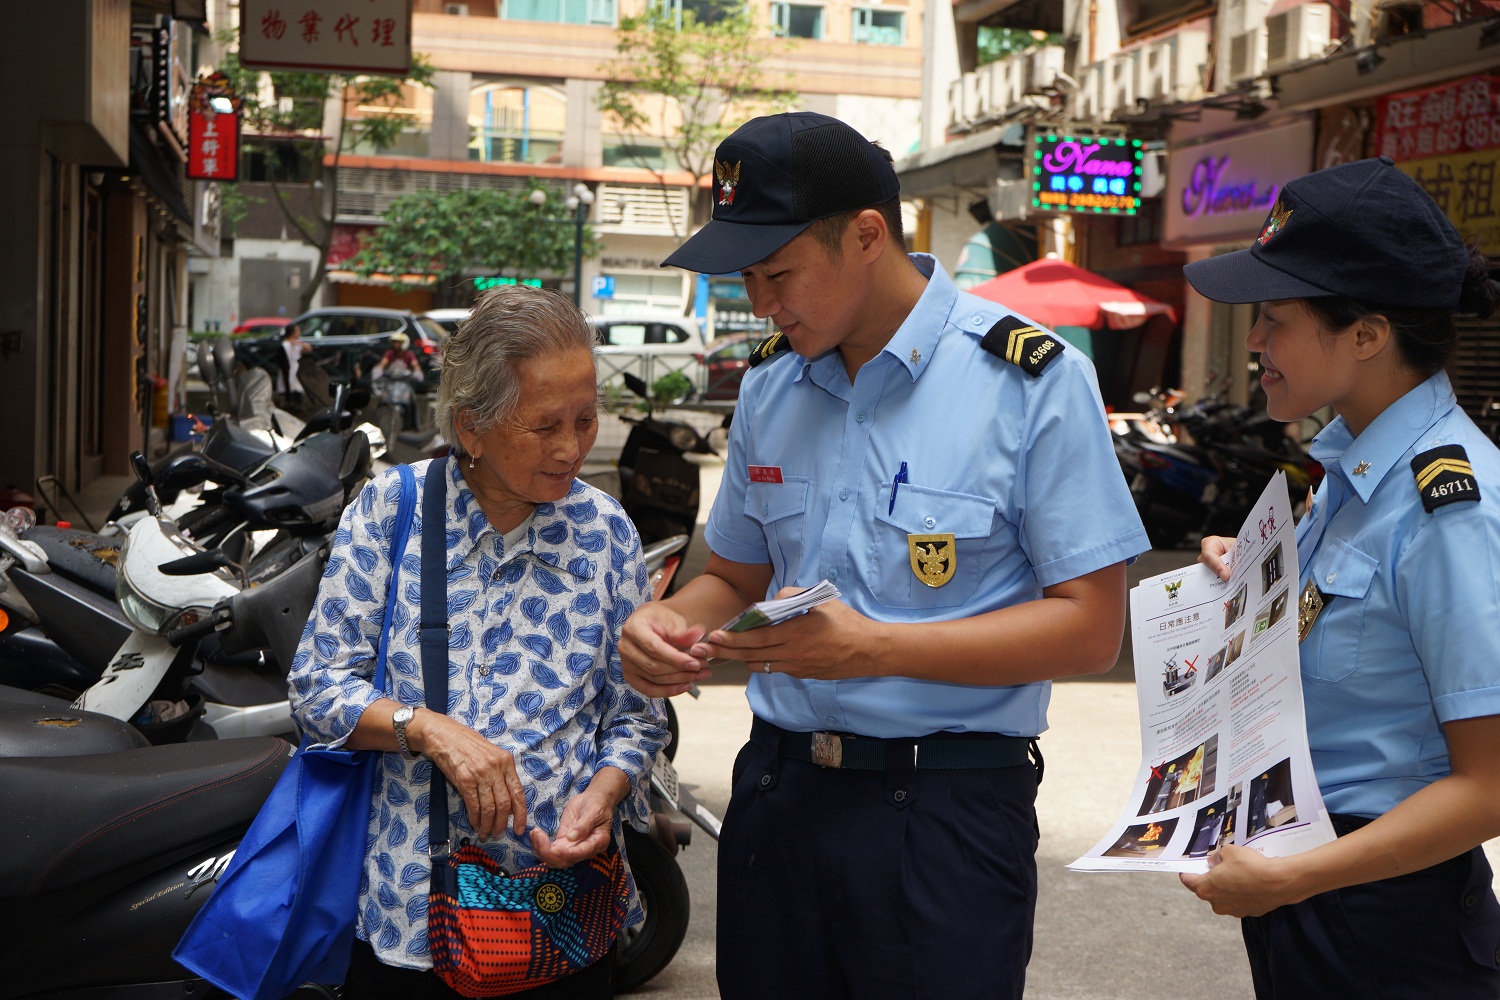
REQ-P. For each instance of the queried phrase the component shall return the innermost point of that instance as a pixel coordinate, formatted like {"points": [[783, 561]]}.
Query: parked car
{"points": [[348, 341], [725, 364], [448, 319], [649, 345]]}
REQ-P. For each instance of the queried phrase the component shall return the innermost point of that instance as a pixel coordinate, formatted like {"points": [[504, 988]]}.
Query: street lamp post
{"points": [[578, 204]]}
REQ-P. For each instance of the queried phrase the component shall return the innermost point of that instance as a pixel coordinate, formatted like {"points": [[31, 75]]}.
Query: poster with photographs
{"points": [[1223, 736]]}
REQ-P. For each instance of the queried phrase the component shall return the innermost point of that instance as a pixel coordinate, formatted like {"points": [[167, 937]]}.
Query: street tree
{"points": [[503, 233], [681, 84], [288, 107]]}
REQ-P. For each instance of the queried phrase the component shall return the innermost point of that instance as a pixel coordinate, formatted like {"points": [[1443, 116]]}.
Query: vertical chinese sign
{"points": [[213, 132], [338, 36], [1447, 138]]}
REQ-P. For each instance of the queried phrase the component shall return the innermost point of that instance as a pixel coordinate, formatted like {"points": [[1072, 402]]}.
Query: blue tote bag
{"points": [[283, 912]]}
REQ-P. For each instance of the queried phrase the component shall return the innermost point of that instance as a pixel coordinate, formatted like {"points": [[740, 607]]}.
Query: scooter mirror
{"points": [[637, 385], [183, 471], [356, 462], [141, 466], [207, 368]]}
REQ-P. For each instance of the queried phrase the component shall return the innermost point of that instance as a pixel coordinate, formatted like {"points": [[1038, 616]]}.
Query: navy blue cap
{"points": [[775, 176], [1361, 230]]}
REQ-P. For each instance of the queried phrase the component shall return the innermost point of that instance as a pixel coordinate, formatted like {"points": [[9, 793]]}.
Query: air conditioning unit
{"points": [[1007, 83], [1119, 83], [1247, 55], [461, 9], [984, 104], [956, 103], [1171, 70], [1042, 66], [1089, 105], [1297, 35], [1237, 16]]}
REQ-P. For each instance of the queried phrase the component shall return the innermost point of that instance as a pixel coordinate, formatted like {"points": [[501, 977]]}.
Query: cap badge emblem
{"points": [[728, 178], [1275, 224]]}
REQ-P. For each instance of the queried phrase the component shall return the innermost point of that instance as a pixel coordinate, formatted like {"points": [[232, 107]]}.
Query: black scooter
{"points": [[659, 486]]}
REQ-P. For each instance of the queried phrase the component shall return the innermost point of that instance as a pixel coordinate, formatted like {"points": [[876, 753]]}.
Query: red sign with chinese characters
{"points": [[1460, 117], [213, 144]]}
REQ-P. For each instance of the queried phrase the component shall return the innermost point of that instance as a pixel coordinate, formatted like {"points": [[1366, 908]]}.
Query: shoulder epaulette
{"points": [[1444, 476], [772, 345], [1025, 346]]}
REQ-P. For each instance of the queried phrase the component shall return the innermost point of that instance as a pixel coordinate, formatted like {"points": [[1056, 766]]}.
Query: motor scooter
{"points": [[659, 486]]}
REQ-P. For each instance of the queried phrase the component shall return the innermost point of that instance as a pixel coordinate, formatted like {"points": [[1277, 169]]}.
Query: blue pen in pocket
{"points": [[896, 482]]}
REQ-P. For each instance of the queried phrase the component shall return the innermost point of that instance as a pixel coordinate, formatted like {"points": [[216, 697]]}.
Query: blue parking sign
{"points": [[604, 286]]}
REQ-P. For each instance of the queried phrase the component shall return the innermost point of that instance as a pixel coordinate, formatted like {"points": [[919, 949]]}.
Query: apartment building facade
{"points": [[515, 99]]}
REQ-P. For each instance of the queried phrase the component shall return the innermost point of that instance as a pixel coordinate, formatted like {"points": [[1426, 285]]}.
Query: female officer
{"points": [[1358, 275]]}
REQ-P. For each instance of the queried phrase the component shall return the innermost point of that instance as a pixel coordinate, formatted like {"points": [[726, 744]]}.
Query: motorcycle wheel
{"points": [[645, 949]]}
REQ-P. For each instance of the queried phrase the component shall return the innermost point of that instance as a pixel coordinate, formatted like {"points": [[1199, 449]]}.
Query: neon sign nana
{"points": [[1086, 174]]}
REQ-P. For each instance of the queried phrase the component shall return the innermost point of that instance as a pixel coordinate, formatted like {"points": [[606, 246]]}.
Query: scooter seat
{"points": [[36, 725], [90, 559], [80, 818]]}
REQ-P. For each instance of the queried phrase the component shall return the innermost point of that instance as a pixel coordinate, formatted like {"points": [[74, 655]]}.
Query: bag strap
{"points": [[404, 509], [434, 635]]}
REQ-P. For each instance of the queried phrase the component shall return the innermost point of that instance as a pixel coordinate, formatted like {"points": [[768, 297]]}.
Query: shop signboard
{"points": [[1072, 173], [339, 36], [1220, 191], [213, 133], [1458, 117], [1466, 187]]}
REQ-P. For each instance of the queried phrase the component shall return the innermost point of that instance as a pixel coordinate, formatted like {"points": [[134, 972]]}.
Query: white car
{"points": [[651, 345], [448, 319]]}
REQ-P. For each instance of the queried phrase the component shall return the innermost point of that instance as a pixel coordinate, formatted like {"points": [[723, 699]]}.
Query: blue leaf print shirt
{"points": [[533, 665]]}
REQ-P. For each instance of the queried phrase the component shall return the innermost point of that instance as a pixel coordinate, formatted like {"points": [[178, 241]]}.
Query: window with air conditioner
{"points": [[1247, 55], [1297, 35]]}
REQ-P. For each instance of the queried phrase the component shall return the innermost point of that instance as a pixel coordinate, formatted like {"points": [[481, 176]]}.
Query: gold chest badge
{"points": [[1309, 606], [933, 557]]}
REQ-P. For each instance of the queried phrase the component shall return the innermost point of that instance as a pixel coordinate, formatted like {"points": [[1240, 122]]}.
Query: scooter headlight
{"points": [[683, 438], [144, 613]]}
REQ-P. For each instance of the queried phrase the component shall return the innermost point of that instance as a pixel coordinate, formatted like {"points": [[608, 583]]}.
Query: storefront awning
{"points": [[971, 162]]}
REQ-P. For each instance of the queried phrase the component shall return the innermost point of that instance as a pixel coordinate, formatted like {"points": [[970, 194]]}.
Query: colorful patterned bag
{"points": [[492, 933]]}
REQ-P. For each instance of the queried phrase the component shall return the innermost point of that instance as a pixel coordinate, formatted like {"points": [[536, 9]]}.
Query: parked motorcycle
{"points": [[659, 486]]}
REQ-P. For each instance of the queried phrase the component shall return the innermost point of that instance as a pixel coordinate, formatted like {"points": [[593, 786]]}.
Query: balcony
{"points": [[501, 145]]}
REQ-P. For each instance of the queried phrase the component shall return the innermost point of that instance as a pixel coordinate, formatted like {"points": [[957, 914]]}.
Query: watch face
{"points": [[403, 714]]}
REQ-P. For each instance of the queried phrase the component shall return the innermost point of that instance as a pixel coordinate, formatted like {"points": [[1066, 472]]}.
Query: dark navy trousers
{"points": [[1433, 934], [867, 884]]}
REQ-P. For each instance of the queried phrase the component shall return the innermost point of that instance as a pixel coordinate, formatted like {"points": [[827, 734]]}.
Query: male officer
{"points": [[948, 466]]}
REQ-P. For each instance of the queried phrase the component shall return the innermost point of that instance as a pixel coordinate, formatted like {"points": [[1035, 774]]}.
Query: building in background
{"points": [[100, 222], [515, 98], [1228, 100]]}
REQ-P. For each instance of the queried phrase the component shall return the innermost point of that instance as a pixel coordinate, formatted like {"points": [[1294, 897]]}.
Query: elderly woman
{"points": [[546, 746]]}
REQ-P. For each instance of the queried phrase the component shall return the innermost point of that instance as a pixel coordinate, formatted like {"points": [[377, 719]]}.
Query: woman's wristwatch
{"points": [[402, 716]]}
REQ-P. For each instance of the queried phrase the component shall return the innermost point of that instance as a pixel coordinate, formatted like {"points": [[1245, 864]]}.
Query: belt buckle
{"points": [[828, 750]]}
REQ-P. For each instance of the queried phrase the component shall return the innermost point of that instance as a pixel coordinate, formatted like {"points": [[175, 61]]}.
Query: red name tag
{"points": [[765, 473]]}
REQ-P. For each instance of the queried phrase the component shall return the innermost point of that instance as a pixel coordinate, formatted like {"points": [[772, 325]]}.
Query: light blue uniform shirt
{"points": [[1020, 470], [1411, 637]]}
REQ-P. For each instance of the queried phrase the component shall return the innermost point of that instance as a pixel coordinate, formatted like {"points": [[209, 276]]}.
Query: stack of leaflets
{"points": [[771, 612]]}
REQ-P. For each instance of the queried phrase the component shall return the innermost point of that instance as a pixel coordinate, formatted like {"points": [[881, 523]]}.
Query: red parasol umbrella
{"points": [[1055, 293]]}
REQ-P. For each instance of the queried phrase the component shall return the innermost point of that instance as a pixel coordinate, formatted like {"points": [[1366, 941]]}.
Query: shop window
{"points": [[874, 26], [796, 20], [560, 11], [643, 291]]}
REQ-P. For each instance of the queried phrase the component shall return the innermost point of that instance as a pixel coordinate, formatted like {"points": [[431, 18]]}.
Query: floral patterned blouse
{"points": [[534, 665]]}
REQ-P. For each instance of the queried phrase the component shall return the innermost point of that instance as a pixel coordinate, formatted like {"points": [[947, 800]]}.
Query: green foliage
{"points": [[709, 72], [234, 205], [673, 387], [446, 234], [1001, 43]]}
